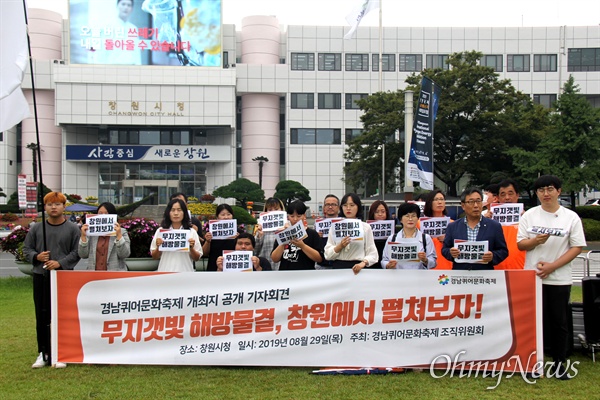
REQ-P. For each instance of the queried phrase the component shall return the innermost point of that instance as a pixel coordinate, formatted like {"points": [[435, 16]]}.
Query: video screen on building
{"points": [[146, 32]]}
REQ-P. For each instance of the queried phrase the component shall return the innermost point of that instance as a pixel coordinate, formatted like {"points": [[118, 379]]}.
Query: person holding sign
{"points": [[379, 211], [179, 258], [299, 254], [355, 249], [108, 251], [551, 256], [246, 242], [214, 248], [411, 249], [266, 239], [331, 210], [435, 207], [508, 194], [474, 227]]}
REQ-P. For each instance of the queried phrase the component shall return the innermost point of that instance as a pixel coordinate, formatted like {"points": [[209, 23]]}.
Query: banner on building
{"points": [[420, 161], [101, 153], [379, 318]]}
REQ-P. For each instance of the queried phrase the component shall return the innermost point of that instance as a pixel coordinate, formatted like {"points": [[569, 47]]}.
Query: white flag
{"points": [[357, 15], [13, 62]]}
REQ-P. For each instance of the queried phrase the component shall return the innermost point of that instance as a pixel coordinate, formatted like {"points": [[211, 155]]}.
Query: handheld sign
{"points": [[421, 205], [382, 229], [539, 230], [434, 226], [222, 229], [175, 240], [322, 225], [471, 252], [237, 261], [507, 213], [294, 232], [272, 220], [101, 224], [351, 228], [405, 250]]}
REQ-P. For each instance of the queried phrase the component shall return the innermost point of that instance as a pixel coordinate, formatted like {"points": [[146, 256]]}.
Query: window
{"points": [[547, 100], [544, 62], [351, 100], [583, 60], [437, 61], [303, 100], [517, 63], [1, 136], [357, 62], [316, 136], [330, 62], [492, 61], [411, 62], [388, 62], [330, 101], [352, 134], [303, 61], [225, 59]]}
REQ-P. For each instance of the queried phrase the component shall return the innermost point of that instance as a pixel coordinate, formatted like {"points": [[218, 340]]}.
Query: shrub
{"points": [[243, 217], [207, 197], [10, 244], [202, 209], [591, 212], [9, 217], [75, 196], [140, 231], [591, 227]]}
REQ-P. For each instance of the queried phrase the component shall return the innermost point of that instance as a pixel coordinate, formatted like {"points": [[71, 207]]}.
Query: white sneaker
{"points": [[60, 365], [39, 362]]}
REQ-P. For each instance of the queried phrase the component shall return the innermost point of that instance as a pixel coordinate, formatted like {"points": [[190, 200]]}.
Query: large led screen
{"points": [[146, 32]]}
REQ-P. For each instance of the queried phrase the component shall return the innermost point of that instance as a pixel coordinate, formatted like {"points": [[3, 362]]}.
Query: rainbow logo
{"points": [[443, 279]]}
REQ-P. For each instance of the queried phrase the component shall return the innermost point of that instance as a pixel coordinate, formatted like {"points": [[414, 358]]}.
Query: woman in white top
{"points": [[176, 217], [409, 214], [348, 253]]}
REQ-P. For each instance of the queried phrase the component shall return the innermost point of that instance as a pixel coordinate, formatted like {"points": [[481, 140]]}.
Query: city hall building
{"points": [[176, 122]]}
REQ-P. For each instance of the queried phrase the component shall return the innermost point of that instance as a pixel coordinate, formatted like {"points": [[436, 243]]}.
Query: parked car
{"points": [[593, 202], [564, 203]]}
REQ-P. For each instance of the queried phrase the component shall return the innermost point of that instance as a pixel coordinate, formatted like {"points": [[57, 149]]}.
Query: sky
{"points": [[467, 13]]}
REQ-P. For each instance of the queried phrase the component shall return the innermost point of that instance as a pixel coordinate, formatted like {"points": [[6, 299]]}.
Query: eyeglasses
{"points": [[439, 199], [410, 216], [331, 205], [549, 189], [473, 202]]}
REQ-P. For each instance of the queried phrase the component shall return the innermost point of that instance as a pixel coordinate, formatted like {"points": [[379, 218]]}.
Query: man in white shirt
{"points": [[551, 256]]}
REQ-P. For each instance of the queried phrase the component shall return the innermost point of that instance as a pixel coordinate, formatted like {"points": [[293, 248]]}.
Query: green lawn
{"points": [[19, 381]]}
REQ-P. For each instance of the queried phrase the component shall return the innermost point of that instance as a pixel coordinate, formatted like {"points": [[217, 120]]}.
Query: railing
{"points": [[586, 264]]}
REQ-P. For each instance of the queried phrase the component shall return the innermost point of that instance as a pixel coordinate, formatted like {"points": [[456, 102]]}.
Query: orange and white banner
{"points": [[383, 318]]}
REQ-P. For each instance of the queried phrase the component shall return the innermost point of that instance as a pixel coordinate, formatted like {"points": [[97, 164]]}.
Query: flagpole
{"points": [[381, 89]]}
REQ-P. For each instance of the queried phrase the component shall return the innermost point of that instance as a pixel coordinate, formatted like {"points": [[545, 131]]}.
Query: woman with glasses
{"points": [[426, 257], [435, 207], [266, 240], [349, 253]]}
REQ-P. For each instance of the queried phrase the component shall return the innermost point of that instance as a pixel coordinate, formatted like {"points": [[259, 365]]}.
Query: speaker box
{"points": [[591, 308], [576, 326]]}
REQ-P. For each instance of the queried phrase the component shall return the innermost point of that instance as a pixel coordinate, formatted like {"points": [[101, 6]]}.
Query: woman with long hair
{"points": [[379, 211], [176, 217], [435, 206], [105, 253], [348, 253], [214, 248]]}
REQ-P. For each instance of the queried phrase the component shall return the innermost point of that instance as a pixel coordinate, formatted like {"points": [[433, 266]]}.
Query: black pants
{"points": [[41, 301], [555, 304]]}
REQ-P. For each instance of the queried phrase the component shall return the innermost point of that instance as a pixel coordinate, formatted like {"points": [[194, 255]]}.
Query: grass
{"points": [[19, 381]]}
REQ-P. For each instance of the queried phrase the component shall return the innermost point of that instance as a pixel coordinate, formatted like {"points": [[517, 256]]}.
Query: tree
{"points": [[477, 121], [2, 194], [242, 190], [289, 191], [571, 147], [383, 116]]}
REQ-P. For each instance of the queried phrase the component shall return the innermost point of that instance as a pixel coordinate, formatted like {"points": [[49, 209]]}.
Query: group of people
{"points": [[507, 246]]}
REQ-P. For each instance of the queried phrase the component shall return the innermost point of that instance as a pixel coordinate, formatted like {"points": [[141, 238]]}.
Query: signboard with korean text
{"points": [[470, 252], [296, 231], [405, 250], [540, 230], [382, 229], [125, 152], [237, 261], [175, 240], [507, 213], [349, 227], [31, 209], [322, 225], [145, 32], [222, 229], [22, 191], [101, 224], [386, 318], [272, 220], [434, 226]]}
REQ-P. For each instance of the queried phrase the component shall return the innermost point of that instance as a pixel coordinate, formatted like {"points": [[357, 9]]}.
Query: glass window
{"points": [[388, 62], [517, 63], [149, 137], [225, 59], [492, 61], [315, 136], [547, 100], [303, 61], [330, 62], [351, 100], [437, 61], [584, 60], [303, 100], [411, 62], [330, 101], [544, 62], [357, 62], [352, 134]]}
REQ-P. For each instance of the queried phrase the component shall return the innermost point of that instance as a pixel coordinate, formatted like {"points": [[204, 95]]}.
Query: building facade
{"points": [[283, 93]]}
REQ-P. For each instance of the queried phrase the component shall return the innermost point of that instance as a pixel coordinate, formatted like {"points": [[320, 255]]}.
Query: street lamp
{"points": [[261, 160]]}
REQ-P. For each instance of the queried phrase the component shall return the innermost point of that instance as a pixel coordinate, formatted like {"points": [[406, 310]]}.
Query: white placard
{"points": [[434, 226], [382, 229], [405, 250], [294, 232], [101, 224], [237, 261], [222, 229], [322, 225], [471, 252], [175, 240], [272, 220], [507, 213], [351, 228]]}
